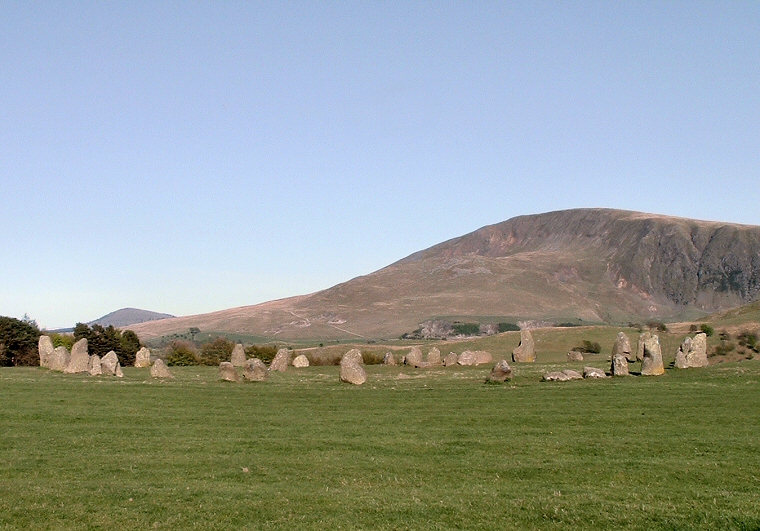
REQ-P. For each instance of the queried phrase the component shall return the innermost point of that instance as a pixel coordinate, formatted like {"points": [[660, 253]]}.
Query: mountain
{"points": [[129, 316], [590, 265]]}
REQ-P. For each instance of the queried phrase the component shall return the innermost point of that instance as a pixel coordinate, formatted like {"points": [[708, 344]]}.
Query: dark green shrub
{"points": [[18, 342], [466, 329], [182, 354], [657, 325], [102, 340], [588, 347], [263, 352], [216, 351], [707, 329], [508, 327]]}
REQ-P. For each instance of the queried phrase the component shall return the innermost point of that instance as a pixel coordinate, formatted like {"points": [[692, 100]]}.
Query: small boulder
{"points": [[622, 347], [352, 373], [142, 358], [450, 360], [414, 358], [238, 356], [352, 356], [434, 356], [108, 363], [255, 370], [526, 350], [501, 372], [227, 372], [482, 357], [619, 366], [652, 365], [301, 361], [80, 358], [573, 375], [556, 376], [574, 355], [280, 361], [59, 359], [593, 372], [160, 370], [94, 366], [389, 359], [467, 358], [45, 348]]}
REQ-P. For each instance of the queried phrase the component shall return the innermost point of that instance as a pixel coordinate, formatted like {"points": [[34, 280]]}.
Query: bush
{"points": [[588, 347], [62, 340], [707, 329], [264, 353], [18, 342], [749, 340], [182, 354], [216, 351], [466, 329], [657, 325], [508, 327]]}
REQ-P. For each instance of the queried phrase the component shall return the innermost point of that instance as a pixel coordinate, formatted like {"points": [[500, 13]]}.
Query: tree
{"points": [[182, 354], [102, 340], [18, 342]]}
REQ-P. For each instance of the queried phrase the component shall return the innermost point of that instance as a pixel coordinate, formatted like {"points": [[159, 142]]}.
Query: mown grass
{"points": [[412, 449]]}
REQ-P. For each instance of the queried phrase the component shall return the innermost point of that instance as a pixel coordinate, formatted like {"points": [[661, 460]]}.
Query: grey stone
{"points": [[693, 352], [593, 372], [142, 358], [389, 359], [45, 348], [255, 370], [640, 347], [467, 358], [414, 358], [301, 362], [482, 357], [501, 372], [108, 363], [227, 372], [238, 356], [622, 347], [573, 375], [353, 373], [450, 360], [280, 361], [681, 362], [94, 366], [619, 366], [556, 376], [80, 358], [119, 373], [352, 356], [652, 365], [59, 359], [434, 356], [574, 355], [526, 350], [160, 370]]}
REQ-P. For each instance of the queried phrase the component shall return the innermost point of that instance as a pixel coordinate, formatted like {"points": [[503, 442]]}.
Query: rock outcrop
{"points": [[160, 370], [501, 372], [80, 358], [255, 370], [142, 358], [281, 361], [45, 348], [237, 358], [652, 364], [300, 361], [526, 350], [227, 372]]}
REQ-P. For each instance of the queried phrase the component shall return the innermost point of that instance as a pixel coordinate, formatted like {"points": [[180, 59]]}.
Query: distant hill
{"points": [[129, 316], [584, 265]]}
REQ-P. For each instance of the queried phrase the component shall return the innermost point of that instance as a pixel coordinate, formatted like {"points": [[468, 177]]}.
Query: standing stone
{"points": [[280, 361], [482, 357], [640, 347], [238, 356], [501, 372], [255, 370], [450, 360], [574, 355], [160, 370], [434, 356], [108, 363], [619, 366], [118, 373], [353, 373], [142, 358], [414, 358], [652, 365], [593, 372], [59, 359], [301, 362], [681, 362], [94, 366], [227, 372], [80, 358], [467, 358], [622, 347], [389, 359], [526, 350], [693, 352], [353, 356], [45, 348]]}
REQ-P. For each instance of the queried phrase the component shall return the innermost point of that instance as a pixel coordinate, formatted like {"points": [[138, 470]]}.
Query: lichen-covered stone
{"points": [[160, 370], [593, 372], [414, 358], [434, 357], [227, 372], [526, 350], [142, 358], [574, 355], [59, 359], [280, 361], [652, 364], [353, 373], [450, 360], [389, 359], [255, 370]]}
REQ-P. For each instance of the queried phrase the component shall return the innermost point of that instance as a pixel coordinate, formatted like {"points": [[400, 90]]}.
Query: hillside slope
{"points": [[129, 316], [592, 264]]}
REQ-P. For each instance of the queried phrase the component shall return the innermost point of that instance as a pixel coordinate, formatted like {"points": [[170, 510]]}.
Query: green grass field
{"points": [[410, 450]]}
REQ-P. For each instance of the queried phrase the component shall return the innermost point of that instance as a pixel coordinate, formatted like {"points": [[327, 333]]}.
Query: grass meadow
{"points": [[410, 450]]}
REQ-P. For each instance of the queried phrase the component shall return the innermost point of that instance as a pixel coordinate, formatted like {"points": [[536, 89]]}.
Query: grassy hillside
{"points": [[412, 449]]}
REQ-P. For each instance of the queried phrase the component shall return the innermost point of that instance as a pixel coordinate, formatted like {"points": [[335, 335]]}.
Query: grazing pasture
{"points": [[409, 450]]}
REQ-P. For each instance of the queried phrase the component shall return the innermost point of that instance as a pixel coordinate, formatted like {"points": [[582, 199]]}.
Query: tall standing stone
{"points": [[622, 347], [352, 356], [652, 365], [526, 350], [280, 361], [227, 372], [434, 356], [80, 358], [142, 358], [255, 370], [414, 358], [640, 347], [109, 362], [693, 352], [681, 362], [238, 356], [160, 370], [619, 366], [59, 359], [94, 366], [45, 348], [389, 359]]}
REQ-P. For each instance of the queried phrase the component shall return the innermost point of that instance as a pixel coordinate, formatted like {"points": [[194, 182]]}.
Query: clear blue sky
{"points": [[186, 157]]}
